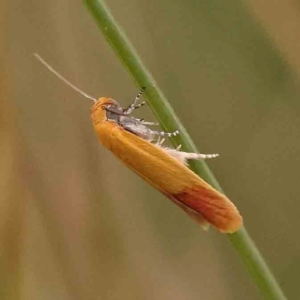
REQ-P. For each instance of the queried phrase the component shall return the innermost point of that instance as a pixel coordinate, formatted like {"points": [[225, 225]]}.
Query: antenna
{"points": [[63, 78]]}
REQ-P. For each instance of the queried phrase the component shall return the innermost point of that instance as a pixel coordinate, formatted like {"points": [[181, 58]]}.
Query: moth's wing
{"points": [[155, 164], [196, 197]]}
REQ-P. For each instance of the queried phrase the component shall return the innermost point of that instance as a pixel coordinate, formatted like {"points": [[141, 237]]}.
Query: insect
{"points": [[141, 149]]}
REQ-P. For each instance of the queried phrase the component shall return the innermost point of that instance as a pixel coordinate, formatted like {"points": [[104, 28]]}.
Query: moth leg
{"points": [[162, 133], [134, 105], [160, 141], [149, 123], [142, 121], [178, 148], [205, 156]]}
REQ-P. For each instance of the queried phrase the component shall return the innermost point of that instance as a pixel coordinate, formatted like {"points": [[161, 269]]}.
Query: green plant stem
{"points": [[241, 240]]}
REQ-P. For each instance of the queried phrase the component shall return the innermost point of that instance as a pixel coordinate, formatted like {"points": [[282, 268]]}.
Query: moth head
{"points": [[106, 108], [110, 104], [106, 102]]}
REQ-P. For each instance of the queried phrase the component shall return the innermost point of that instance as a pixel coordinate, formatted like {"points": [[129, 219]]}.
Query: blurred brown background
{"points": [[74, 222]]}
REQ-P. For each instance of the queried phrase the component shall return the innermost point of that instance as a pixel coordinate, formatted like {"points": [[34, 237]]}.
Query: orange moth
{"points": [[141, 149]]}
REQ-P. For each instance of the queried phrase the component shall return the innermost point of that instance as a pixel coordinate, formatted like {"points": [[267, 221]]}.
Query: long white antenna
{"points": [[63, 78]]}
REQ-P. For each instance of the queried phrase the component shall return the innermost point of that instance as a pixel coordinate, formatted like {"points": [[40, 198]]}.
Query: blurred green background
{"points": [[75, 223]]}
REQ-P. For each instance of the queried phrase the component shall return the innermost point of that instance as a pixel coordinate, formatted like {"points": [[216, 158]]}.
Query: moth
{"points": [[141, 149]]}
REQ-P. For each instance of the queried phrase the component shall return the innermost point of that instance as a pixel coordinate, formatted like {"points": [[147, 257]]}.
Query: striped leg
{"points": [[162, 133], [134, 105]]}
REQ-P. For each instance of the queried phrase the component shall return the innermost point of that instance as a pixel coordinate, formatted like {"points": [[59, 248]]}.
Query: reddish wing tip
{"points": [[214, 207]]}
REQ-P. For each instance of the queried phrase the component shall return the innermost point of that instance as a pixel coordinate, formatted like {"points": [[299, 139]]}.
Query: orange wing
{"points": [[195, 196]]}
